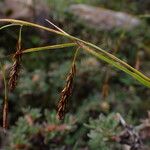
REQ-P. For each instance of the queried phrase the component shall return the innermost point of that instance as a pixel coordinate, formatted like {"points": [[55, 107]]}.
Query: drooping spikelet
{"points": [[66, 93], [15, 69]]}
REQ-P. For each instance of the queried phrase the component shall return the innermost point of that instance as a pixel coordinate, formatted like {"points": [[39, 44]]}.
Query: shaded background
{"points": [[119, 27]]}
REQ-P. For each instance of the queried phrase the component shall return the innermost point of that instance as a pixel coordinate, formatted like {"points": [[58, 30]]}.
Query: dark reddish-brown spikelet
{"points": [[66, 93], [5, 115], [15, 69]]}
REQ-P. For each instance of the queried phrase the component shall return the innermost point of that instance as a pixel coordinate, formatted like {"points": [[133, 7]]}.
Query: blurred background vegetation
{"points": [[98, 87]]}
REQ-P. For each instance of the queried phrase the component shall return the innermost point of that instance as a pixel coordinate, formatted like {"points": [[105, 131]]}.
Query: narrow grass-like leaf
{"points": [[58, 46], [25, 23], [108, 55], [117, 65], [102, 54], [8, 25]]}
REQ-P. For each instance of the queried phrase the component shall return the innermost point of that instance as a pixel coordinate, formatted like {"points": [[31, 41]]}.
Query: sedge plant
{"points": [[74, 42]]}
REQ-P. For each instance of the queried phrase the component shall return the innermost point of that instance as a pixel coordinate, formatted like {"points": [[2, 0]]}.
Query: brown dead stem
{"points": [[5, 114]]}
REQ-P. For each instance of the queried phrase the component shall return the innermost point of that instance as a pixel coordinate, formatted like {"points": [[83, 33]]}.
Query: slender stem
{"points": [[20, 22], [4, 79], [36, 49], [114, 60], [75, 55], [5, 105], [9, 25], [20, 37], [49, 47]]}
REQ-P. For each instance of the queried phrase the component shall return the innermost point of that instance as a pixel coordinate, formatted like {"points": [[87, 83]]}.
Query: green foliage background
{"points": [[43, 76]]}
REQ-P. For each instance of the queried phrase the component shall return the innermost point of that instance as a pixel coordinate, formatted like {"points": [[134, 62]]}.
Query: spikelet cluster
{"points": [[66, 93], [15, 69]]}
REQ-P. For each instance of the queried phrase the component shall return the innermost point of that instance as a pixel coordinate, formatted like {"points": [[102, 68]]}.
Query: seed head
{"points": [[66, 93], [15, 69]]}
